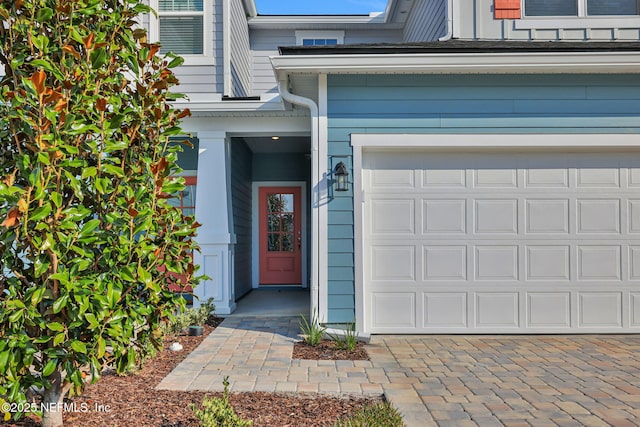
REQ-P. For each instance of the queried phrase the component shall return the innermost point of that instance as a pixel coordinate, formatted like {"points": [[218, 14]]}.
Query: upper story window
{"points": [[581, 8], [319, 38], [319, 42], [182, 27]]}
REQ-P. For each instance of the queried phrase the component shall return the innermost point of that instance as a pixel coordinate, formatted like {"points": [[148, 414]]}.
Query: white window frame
{"points": [[580, 21], [307, 34], [206, 58]]}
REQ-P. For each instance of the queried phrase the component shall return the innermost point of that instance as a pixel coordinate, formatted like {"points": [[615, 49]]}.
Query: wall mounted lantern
{"points": [[341, 177]]}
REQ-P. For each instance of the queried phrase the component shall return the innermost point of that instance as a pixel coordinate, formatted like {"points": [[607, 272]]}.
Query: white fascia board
{"points": [[462, 63], [496, 141]]}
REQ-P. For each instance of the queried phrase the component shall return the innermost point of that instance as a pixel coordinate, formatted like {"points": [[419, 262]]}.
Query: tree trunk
{"points": [[53, 400]]}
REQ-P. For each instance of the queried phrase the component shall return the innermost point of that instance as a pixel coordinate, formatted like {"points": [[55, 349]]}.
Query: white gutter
{"points": [[315, 180], [449, 34], [250, 8], [389, 10], [462, 63]]}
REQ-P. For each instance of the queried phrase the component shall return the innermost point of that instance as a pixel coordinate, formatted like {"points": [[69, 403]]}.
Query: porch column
{"points": [[213, 211]]}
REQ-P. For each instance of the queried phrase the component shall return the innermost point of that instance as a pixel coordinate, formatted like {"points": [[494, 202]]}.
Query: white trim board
{"points": [[461, 63], [488, 141], [255, 228]]}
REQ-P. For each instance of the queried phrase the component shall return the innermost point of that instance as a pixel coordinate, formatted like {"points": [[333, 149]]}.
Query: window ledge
{"points": [[196, 59], [594, 22]]}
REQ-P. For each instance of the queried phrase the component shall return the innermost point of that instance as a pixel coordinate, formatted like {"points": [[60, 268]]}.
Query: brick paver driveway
{"points": [[591, 380]]}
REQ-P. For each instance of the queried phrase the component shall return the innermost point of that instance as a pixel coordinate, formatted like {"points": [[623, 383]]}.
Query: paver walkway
{"points": [[588, 380]]}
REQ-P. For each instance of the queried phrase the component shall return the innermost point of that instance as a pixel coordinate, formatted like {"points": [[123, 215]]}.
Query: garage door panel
{"points": [[634, 262], [396, 179], [547, 262], [444, 178], [497, 310], [444, 216], [496, 216], [634, 177], [393, 310], [634, 216], [522, 242], [444, 263], [496, 263], [600, 309], [546, 178], [445, 310], [495, 178], [393, 262], [392, 217], [635, 309], [549, 309], [547, 216], [598, 216], [608, 177], [597, 262]]}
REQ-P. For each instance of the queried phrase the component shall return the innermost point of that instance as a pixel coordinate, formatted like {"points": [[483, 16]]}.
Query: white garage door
{"points": [[488, 243]]}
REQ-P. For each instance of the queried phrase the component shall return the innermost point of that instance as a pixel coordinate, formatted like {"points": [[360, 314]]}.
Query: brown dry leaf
{"points": [[13, 218], [38, 81], [23, 206]]}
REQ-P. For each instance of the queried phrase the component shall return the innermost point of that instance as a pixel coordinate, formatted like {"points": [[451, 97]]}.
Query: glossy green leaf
{"points": [[50, 367], [59, 339], [40, 212], [44, 14], [79, 346], [55, 326], [60, 303]]}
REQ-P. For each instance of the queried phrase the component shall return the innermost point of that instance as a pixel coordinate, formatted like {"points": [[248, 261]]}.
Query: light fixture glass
{"points": [[341, 177], [275, 138]]}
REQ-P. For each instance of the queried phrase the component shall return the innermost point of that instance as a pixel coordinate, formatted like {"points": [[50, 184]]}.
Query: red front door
{"points": [[280, 236]]}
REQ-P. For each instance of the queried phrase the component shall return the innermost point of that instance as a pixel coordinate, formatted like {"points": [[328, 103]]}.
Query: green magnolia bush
{"points": [[88, 240]]}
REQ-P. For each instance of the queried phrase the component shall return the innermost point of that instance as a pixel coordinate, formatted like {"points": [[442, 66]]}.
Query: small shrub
{"points": [[218, 412], [191, 317], [313, 332], [379, 415], [349, 340]]}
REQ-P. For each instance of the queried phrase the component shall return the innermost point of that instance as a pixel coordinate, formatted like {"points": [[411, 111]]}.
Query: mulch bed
{"points": [[328, 350], [132, 400]]}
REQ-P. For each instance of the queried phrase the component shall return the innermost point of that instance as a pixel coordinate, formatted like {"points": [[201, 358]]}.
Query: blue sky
{"points": [[326, 7]]}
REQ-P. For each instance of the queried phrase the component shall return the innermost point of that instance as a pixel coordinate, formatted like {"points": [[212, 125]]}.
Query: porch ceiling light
{"points": [[275, 138], [341, 177]]}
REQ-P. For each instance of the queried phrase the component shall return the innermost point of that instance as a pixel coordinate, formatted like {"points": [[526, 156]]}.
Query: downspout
{"points": [[315, 181], [449, 34]]}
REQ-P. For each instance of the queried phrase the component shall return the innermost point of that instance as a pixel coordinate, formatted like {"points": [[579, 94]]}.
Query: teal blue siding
{"points": [[281, 167], [241, 162], [470, 104]]}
